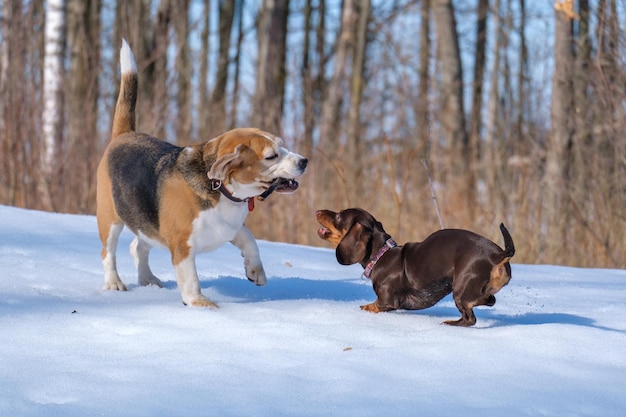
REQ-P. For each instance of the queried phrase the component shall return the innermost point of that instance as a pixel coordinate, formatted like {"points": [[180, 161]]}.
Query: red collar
{"points": [[390, 243]]}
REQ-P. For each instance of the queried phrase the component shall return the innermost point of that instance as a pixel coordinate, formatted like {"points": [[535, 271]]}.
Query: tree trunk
{"points": [[234, 111], [82, 104], [330, 133], [271, 73], [217, 109], [52, 116], [180, 16], [157, 115], [422, 105], [10, 69], [451, 113], [203, 88], [268, 108], [479, 76], [354, 145], [556, 173], [493, 127]]}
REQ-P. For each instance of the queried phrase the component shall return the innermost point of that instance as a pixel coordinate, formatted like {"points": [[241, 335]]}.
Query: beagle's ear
{"points": [[220, 168], [353, 246]]}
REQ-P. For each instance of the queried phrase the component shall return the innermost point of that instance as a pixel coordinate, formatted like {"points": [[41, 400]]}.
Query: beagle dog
{"points": [[417, 275], [188, 199]]}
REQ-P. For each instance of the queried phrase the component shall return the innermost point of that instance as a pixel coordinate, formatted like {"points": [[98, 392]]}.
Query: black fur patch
{"points": [[136, 168]]}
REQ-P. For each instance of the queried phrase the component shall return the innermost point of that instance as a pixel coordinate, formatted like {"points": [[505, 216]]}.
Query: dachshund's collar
{"points": [[390, 243]]}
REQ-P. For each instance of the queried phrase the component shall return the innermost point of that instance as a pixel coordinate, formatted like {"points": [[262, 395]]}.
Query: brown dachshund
{"points": [[417, 275]]}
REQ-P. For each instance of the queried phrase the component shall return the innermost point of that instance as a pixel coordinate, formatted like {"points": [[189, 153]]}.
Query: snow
{"points": [[553, 345]]}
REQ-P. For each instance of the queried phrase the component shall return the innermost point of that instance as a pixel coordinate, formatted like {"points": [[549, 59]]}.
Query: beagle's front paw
{"points": [[256, 274], [114, 284], [201, 301]]}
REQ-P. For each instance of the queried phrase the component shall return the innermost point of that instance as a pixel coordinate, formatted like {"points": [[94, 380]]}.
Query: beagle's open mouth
{"points": [[285, 185], [280, 185]]}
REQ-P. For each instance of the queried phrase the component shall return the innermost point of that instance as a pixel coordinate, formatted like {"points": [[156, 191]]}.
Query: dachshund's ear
{"points": [[353, 246]]}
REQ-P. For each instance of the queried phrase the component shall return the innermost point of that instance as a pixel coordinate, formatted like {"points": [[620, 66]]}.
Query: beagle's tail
{"points": [[124, 119], [509, 247]]}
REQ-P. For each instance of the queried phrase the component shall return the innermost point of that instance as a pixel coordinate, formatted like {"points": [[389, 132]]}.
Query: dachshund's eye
{"points": [[272, 156]]}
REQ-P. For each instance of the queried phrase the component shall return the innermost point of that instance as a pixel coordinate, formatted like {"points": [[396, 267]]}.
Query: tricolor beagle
{"points": [[189, 199]]}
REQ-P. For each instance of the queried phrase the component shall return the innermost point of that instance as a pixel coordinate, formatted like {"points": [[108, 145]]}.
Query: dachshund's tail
{"points": [[501, 271], [509, 247]]}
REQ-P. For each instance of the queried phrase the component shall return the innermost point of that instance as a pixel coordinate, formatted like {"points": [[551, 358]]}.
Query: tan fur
{"points": [[105, 209], [499, 277], [179, 210], [167, 194], [335, 235], [371, 307]]}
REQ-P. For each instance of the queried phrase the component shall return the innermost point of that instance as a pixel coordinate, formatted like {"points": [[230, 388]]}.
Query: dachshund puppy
{"points": [[417, 275]]}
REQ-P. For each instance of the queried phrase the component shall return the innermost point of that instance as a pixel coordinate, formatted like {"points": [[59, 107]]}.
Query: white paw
{"points": [[116, 285], [150, 280], [201, 301], [256, 274]]}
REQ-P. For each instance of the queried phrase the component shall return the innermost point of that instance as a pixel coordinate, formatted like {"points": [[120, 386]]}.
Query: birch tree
{"points": [[52, 116]]}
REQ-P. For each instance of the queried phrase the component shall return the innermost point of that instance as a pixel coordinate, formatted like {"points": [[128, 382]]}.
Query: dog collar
{"points": [[390, 243], [218, 185]]}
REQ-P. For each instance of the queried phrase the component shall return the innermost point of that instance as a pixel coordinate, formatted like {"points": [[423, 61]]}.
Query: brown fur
{"points": [[417, 275]]}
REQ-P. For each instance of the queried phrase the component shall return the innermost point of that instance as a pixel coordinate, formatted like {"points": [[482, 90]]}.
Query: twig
{"points": [[432, 191]]}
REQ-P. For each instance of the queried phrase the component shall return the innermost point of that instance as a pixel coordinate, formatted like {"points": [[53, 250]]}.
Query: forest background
{"points": [[426, 113]]}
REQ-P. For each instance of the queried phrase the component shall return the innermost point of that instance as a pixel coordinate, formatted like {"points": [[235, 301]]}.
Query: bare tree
{"points": [[268, 101], [479, 75], [234, 111], [330, 166], [52, 116], [180, 17], [557, 169], [82, 104], [422, 103], [217, 108], [203, 89], [157, 114], [354, 143], [271, 73], [489, 154], [451, 108]]}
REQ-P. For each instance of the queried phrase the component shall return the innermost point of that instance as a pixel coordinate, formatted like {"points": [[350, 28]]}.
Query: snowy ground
{"points": [[553, 345]]}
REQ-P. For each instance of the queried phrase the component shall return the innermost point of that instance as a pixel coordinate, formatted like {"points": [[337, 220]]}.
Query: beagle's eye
{"points": [[272, 156]]}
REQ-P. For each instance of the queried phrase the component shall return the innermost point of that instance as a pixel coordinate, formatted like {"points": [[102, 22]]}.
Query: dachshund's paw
{"points": [[372, 307]]}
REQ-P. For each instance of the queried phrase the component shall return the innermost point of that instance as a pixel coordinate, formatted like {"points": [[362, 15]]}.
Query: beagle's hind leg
{"points": [[140, 250], [109, 234]]}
